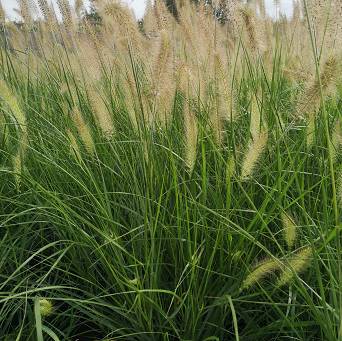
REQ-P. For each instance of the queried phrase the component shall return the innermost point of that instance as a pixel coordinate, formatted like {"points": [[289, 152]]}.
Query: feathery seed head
{"points": [[309, 102], [253, 154], [101, 113], [25, 11], [289, 229], [296, 265], [124, 23], [163, 17], [67, 16], [328, 73], [12, 102], [264, 268], [74, 148], [83, 131], [251, 24], [46, 10]]}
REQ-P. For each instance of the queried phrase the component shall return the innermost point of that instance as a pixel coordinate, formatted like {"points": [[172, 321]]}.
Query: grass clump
{"points": [[154, 174]]}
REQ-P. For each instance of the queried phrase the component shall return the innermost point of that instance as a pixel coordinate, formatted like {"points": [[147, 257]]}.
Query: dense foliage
{"points": [[176, 179]]}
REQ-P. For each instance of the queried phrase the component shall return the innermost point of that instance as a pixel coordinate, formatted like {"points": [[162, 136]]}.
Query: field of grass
{"points": [[173, 179]]}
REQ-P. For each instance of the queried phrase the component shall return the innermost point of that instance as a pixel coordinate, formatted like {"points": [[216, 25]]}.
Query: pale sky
{"points": [[139, 7]]}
